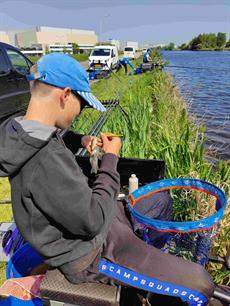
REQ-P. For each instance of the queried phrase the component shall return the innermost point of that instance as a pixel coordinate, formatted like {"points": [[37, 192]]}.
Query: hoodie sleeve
{"points": [[72, 141], [60, 190]]}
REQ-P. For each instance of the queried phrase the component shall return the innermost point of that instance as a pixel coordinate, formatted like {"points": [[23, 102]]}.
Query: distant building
{"points": [[49, 39], [4, 37], [68, 48]]}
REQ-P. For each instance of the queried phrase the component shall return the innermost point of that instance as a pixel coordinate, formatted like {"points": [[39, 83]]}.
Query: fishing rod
{"points": [[197, 68], [99, 123], [95, 129], [97, 126]]}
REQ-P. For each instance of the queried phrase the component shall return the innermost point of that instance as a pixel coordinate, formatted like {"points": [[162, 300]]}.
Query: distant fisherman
{"points": [[124, 61], [146, 57]]}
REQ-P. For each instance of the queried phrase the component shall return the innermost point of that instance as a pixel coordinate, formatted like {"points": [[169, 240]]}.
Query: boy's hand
{"points": [[111, 144], [87, 140]]}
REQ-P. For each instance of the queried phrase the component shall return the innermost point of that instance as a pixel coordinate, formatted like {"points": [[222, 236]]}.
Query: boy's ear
{"points": [[66, 92], [64, 96]]}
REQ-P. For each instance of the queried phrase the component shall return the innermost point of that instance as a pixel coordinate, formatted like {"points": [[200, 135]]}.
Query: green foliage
{"points": [[206, 41], [170, 46], [76, 48], [221, 40], [2, 273], [34, 59], [5, 209], [156, 54], [183, 46], [80, 57], [5, 216]]}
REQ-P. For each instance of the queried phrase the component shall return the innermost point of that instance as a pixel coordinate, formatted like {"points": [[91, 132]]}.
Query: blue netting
{"points": [[188, 239]]}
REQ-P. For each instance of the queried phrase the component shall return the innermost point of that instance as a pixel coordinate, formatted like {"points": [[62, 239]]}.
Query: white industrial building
{"points": [[49, 39]]}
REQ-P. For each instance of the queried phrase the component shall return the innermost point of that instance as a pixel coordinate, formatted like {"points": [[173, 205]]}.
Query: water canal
{"points": [[206, 88]]}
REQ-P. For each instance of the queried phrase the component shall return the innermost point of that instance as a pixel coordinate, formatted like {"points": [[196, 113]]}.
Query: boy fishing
{"points": [[71, 225]]}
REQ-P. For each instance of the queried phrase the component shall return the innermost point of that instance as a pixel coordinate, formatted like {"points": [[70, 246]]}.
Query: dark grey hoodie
{"points": [[53, 206]]}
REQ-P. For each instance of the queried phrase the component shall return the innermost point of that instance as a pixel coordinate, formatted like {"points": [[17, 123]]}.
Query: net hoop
{"points": [[178, 183]]}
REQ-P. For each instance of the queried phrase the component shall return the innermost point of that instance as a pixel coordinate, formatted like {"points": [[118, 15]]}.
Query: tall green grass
{"points": [[80, 57], [5, 216]]}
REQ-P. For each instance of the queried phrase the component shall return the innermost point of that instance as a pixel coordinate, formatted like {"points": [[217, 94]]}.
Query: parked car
{"points": [[103, 57], [14, 88], [130, 52]]}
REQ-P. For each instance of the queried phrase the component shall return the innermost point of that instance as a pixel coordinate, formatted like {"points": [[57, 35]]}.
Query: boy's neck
{"points": [[36, 112]]}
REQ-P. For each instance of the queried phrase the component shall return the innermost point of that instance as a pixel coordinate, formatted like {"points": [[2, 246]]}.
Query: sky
{"points": [[150, 21]]}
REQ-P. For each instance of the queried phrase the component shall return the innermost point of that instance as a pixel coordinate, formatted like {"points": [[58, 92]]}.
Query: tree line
{"points": [[210, 41]]}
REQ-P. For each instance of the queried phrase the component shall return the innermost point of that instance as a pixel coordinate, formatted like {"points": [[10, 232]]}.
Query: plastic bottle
{"points": [[133, 183]]}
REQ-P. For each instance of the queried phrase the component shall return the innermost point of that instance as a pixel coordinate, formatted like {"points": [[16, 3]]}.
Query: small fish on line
{"points": [[98, 152]]}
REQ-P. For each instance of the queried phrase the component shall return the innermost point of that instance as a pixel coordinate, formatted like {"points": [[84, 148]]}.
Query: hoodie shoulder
{"points": [[16, 147]]}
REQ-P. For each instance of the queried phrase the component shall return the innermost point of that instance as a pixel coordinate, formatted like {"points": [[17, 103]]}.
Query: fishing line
{"points": [[198, 68], [97, 126], [95, 129]]}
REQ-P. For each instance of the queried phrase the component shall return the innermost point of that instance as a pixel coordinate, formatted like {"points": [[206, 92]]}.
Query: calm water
{"points": [[207, 92]]}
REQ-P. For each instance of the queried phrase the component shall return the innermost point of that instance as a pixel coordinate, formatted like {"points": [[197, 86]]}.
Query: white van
{"points": [[130, 52], [103, 57]]}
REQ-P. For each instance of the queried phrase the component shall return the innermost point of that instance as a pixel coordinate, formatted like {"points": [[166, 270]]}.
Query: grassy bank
{"points": [[5, 215], [158, 127], [80, 57]]}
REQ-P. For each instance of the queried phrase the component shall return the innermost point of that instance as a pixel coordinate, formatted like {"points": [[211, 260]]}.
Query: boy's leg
{"points": [[124, 248], [126, 68], [118, 67]]}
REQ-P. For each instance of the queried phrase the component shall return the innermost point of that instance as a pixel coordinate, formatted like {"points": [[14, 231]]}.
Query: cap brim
{"points": [[92, 100]]}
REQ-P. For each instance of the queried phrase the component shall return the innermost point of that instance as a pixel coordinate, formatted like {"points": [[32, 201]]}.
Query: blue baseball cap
{"points": [[61, 70]]}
